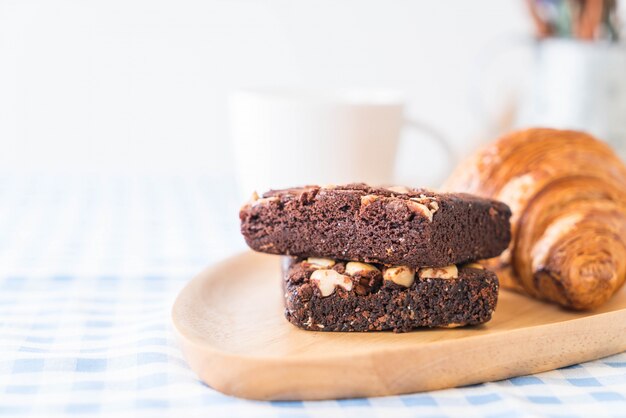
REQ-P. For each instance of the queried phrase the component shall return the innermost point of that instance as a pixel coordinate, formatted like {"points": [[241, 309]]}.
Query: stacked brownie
{"points": [[362, 258]]}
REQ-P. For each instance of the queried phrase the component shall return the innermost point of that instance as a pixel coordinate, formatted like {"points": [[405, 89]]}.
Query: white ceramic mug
{"points": [[287, 138]]}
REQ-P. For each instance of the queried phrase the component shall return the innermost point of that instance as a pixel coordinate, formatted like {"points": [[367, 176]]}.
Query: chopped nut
{"points": [[423, 199], [354, 267], [254, 197], [420, 209], [320, 262], [401, 275], [431, 202], [448, 272], [327, 280], [474, 266], [368, 200]]}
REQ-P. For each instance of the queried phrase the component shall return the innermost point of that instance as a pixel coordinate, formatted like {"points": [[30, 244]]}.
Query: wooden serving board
{"points": [[234, 336]]}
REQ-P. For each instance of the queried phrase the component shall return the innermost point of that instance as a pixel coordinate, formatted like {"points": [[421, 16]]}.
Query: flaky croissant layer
{"points": [[567, 192]]}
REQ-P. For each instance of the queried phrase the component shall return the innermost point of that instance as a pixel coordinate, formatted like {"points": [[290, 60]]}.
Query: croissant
{"points": [[567, 192]]}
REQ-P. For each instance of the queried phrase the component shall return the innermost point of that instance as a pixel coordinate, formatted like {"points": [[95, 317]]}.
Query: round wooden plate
{"points": [[234, 336]]}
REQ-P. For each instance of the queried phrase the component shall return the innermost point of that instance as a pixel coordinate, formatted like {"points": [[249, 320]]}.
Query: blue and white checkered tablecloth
{"points": [[89, 268]]}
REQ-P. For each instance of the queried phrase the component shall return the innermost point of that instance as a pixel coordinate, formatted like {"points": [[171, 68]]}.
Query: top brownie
{"points": [[393, 226]]}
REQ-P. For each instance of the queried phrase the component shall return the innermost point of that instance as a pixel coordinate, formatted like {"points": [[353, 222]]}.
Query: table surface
{"points": [[89, 269]]}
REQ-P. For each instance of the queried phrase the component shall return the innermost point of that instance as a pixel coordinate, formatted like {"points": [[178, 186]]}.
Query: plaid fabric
{"points": [[89, 269]]}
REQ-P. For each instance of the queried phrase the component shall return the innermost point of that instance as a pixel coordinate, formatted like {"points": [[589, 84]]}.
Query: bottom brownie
{"points": [[332, 295]]}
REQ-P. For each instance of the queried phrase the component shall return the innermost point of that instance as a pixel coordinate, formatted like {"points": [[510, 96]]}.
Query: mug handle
{"points": [[436, 136]]}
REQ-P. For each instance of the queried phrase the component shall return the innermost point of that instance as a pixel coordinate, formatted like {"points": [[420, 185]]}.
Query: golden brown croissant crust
{"points": [[567, 192]]}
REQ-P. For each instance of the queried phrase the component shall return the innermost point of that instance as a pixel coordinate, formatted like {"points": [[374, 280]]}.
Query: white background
{"points": [[141, 86]]}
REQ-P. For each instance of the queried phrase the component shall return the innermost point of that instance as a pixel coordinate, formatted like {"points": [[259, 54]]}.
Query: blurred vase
{"points": [[578, 85]]}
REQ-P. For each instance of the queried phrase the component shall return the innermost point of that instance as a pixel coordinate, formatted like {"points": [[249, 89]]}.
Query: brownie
{"points": [[369, 299], [396, 226]]}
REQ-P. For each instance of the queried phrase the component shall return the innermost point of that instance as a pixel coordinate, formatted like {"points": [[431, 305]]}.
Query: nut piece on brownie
{"points": [[447, 272], [318, 262], [327, 280], [401, 275], [354, 267]]}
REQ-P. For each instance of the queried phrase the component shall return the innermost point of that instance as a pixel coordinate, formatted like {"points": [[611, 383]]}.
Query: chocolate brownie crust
{"points": [[410, 227], [376, 304]]}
